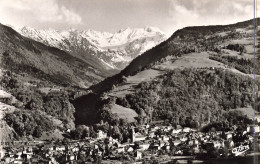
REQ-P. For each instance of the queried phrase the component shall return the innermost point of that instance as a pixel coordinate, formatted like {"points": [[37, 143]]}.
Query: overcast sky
{"points": [[112, 15]]}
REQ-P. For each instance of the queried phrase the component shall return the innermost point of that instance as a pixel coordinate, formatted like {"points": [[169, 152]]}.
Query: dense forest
{"points": [[190, 97], [37, 99], [54, 103], [248, 66], [27, 123], [230, 119]]}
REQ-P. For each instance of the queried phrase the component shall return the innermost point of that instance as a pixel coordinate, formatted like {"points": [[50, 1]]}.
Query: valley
{"points": [[88, 88]]}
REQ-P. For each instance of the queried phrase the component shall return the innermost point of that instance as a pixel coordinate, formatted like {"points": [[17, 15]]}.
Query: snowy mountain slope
{"points": [[113, 51]]}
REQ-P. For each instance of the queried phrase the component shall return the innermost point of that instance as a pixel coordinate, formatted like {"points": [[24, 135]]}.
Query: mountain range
{"points": [[113, 50], [193, 78], [22, 55], [35, 64], [192, 50]]}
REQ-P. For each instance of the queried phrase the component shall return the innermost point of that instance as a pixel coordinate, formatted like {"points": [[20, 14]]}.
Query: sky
{"points": [[113, 15]]}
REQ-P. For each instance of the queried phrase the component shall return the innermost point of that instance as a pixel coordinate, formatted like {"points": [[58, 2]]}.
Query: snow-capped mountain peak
{"points": [[115, 50]]}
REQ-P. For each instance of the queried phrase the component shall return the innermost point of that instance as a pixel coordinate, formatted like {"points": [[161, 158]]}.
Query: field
{"points": [[201, 60], [248, 41], [227, 52], [4, 94], [192, 60], [249, 111], [132, 81], [125, 113], [46, 90]]}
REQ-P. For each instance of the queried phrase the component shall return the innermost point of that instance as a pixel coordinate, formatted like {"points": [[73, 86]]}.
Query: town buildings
{"points": [[154, 141]]}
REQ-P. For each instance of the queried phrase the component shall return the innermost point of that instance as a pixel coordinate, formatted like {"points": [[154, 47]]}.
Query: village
{"points": [[157, 144]]}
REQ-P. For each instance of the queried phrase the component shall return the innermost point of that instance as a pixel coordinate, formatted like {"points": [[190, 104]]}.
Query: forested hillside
{"points": [[25, 56], [38, 106], [190, 97], [185, 93], [41, 81], [183, 41]]}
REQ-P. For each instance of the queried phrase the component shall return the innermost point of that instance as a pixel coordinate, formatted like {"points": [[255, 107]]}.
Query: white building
{"points": [[165, 138], [186, 130], [253, 129], [176, 131], [2, 152], [228, 135], [138, 155], [101, 135], [144, 146], [137, 136]]}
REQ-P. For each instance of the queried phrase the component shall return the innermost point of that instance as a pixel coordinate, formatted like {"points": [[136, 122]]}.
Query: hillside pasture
{"points": [[47, 90], [248, 111], [227, 52], [4, 94], [191, 60], [124, 113], [131, 81]]}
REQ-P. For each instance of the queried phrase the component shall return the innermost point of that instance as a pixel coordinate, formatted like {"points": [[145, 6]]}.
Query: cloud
{"points": [[209, 12], [41, 11], [50, 11], [111, 15]]}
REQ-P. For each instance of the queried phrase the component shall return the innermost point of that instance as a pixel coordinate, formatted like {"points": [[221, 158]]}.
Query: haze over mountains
{"points": [[113, 51]]}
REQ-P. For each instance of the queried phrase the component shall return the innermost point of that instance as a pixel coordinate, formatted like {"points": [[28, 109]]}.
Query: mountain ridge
{"points": [[113, 51], [186, 47], [173, 46], [37, 59]]}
